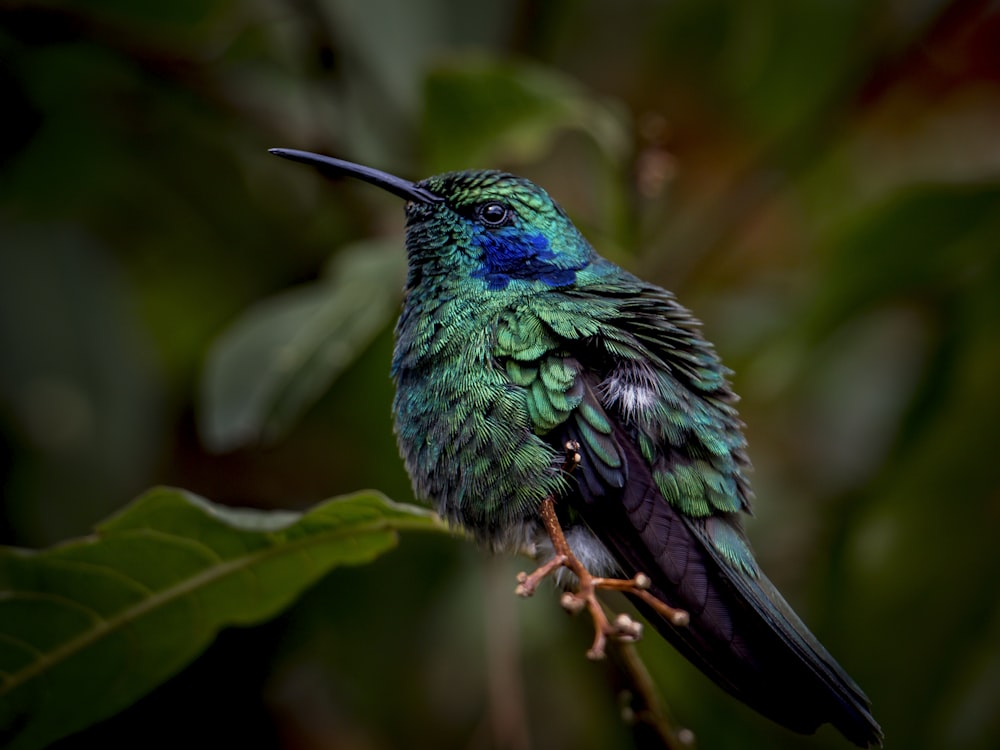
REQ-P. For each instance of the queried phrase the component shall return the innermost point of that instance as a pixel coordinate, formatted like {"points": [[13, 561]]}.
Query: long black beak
{"points": [[330, 167]]}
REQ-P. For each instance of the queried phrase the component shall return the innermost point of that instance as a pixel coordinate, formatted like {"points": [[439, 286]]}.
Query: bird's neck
{"points": [[444, 319]]}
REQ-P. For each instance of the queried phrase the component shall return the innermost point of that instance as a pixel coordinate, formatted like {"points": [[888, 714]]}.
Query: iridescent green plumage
{"points": [[517, 338]]}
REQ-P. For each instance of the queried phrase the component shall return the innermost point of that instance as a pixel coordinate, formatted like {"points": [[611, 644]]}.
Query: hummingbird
{"points": [[547, 399]]}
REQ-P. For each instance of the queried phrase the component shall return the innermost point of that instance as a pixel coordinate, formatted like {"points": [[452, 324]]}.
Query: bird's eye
{"points": [[494, 214]]}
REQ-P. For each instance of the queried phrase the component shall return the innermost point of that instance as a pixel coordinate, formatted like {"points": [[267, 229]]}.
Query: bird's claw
{"points": [[573, 456]]}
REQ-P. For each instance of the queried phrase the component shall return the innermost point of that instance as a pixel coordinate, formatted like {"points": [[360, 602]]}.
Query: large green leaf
{"points": [[88, 627], [283, 353]]}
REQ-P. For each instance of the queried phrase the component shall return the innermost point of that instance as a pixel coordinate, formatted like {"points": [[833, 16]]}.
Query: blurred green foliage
{"points": [[128, 606], [819, 181]]}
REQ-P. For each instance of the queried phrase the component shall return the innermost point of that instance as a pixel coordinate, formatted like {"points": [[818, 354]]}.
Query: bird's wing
{"points": [[623, 370]]}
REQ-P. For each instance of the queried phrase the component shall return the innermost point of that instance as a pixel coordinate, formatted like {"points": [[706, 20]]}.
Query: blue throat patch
{"points": [[520, 256]]}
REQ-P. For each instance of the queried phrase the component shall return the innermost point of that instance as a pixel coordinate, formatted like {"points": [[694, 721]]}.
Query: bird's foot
{"points": [[623, 628]]}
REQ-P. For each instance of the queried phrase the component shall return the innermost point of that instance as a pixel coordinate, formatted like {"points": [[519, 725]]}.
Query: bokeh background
{"points": [[819, 181]]}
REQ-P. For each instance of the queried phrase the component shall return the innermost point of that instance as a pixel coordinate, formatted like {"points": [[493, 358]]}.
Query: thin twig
{"points": [[642, 707], [585, 597], [624, 628]]}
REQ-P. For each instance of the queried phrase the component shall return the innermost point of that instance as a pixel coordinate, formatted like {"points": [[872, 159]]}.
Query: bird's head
{"points": [[492, 228]]}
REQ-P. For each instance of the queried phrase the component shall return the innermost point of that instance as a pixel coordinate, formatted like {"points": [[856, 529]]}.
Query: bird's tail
{"points": [[774, 664], [742, 633]]}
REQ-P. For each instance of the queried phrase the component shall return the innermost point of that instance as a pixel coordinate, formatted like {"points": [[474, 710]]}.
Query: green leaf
{"points": [[88, 627], [282, 354], [479, 110]]}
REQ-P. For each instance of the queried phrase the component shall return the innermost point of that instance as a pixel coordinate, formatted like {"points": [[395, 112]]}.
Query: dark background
{"points": [[819, 181]]}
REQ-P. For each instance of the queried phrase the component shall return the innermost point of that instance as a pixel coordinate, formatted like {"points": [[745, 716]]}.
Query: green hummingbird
{"points": [[547, 399]]}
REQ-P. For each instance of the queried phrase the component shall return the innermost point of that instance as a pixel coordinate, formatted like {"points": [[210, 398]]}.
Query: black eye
{"points": [[494, 214]]}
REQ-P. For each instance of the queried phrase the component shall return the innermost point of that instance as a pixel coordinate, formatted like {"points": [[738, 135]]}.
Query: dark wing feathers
{"points": [[742, 634], [659, 485]]}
